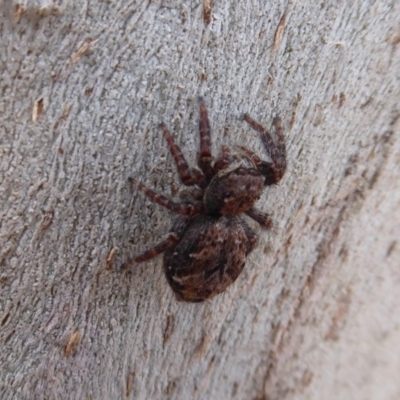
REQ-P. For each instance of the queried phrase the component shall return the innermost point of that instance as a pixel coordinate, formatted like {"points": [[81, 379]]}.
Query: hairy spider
{"points": [[207, 247]]}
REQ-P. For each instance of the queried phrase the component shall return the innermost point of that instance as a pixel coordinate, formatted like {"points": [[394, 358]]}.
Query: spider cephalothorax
{"points": [[207, 247]]}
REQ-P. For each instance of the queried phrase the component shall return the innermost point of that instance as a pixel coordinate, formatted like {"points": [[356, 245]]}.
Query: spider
{"points": [[208, 244]]}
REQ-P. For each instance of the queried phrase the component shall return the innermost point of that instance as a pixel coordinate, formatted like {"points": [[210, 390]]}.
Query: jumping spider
{"points": [[207, 247]]}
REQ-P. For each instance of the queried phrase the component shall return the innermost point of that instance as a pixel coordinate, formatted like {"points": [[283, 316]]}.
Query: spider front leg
{"points": [[274, 171], [205, 157], [153, 252], [188, 177]]}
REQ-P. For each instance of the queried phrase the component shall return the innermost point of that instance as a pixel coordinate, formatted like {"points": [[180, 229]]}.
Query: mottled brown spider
{"points": [[207, 247]]}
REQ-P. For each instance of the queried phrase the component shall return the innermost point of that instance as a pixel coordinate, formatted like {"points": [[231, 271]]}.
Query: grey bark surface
{"points": [[84, 85]]}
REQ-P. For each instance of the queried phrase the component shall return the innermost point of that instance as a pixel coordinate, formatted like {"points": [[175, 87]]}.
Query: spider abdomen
{"points": [[209, 256]]}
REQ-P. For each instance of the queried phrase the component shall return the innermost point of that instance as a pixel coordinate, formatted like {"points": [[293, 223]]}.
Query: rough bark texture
{"points": [[316, 313]]}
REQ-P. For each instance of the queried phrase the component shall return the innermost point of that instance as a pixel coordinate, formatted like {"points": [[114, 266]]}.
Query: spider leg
{"points": [[179, 208], [262, 218], [251, 236], [250, 156], [274, 171], [154, 251], [223, 159], [205, 157], [199, 178], [191, 195], [187, 177]]}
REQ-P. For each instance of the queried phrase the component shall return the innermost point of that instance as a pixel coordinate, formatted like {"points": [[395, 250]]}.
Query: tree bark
{"points": [[315, 314]]}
